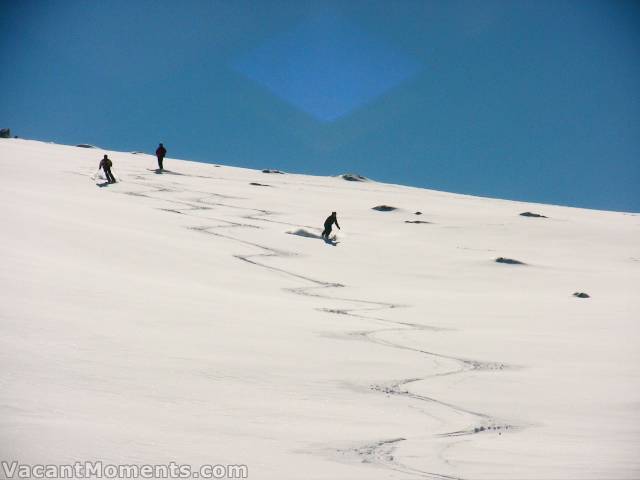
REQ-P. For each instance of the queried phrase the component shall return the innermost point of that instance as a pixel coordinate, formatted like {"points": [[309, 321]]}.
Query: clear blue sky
{"points": [[536, 101]]}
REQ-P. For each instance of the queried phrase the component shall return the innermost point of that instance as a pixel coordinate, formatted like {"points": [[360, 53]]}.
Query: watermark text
{"points": [[99, 469]]}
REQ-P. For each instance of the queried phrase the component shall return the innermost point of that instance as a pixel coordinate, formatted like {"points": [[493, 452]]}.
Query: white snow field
{"points": [[172, 317]]}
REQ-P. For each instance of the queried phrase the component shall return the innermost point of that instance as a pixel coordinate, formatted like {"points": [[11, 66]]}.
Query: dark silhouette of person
{"points": [[160, 153], [328, 223], [106, 164]]}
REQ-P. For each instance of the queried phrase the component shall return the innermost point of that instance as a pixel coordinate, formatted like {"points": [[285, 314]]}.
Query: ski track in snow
{"points": [[379, 452]]}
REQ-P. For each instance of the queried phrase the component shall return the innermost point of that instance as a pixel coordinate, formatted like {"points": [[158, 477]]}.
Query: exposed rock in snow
{"points": [[384, 208], [531, 214], [354, 177], [510, 261]]}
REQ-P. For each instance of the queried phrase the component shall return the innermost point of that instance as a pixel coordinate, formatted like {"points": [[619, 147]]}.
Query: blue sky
{"points": [[535, 101]]}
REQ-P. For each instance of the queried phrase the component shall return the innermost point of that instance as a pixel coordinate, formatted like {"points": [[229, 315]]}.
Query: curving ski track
{"points": [[380, 452]]}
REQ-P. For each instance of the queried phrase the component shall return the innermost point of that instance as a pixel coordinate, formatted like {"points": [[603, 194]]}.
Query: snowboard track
{"points": [[380, 452]]}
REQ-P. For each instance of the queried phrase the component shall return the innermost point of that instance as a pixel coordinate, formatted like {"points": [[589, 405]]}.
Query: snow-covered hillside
{"points": [[173, 317]]}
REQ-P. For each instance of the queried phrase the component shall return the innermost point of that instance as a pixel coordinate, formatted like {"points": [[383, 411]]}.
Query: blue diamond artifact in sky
{"points": [[327, 66]]}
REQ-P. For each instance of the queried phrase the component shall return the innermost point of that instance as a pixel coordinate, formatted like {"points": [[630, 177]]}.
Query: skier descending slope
{"points": [[160, 153], [331, 219], [106, 164]]}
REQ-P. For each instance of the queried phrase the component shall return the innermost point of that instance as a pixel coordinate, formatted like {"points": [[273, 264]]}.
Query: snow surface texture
{"points": [[173, 317]]}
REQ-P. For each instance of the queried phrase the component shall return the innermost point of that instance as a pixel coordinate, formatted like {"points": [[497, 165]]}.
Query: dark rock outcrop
{"points": [[384, 208], [509, 261], [270, 170], [353, 177], [531, 214], [5, 133], [581, 295]]}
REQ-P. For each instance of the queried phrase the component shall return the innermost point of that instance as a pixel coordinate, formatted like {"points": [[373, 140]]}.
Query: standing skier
{"points": [[160, 153], [328, 223], [106, 164]]}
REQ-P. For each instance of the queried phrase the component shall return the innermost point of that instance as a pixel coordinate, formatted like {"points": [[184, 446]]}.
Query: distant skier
{"points": [[328, 223], [160, 153], [106, 164]]}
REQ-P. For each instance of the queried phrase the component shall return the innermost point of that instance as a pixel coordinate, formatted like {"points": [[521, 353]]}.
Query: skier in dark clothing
{"points": [[160, 153], [106, 164], [328, 223]]}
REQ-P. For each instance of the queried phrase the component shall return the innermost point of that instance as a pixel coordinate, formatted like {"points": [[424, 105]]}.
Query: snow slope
{"points": [[172, 317]]}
